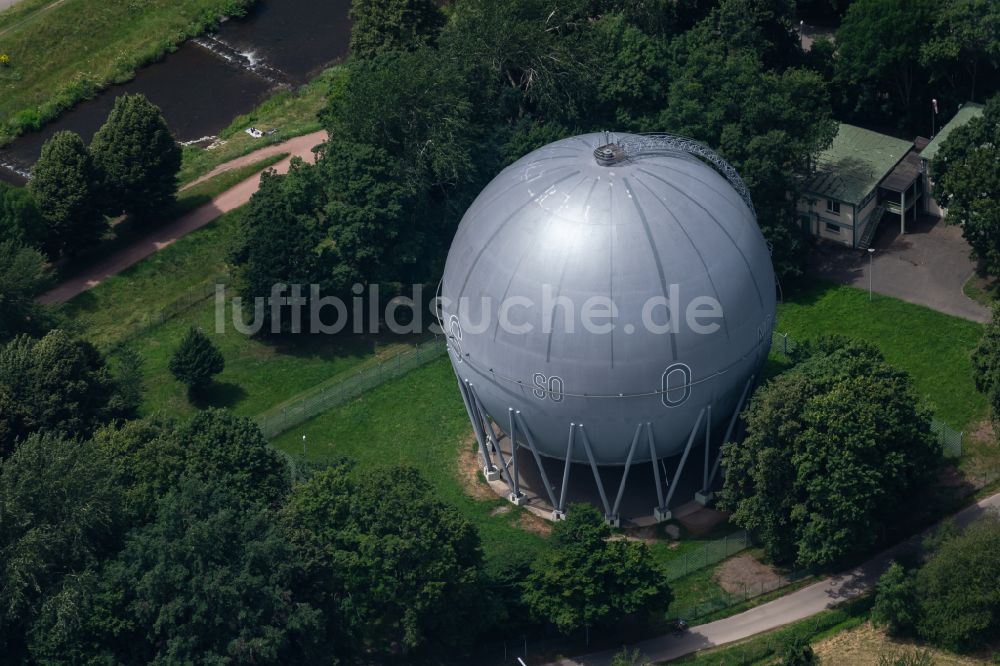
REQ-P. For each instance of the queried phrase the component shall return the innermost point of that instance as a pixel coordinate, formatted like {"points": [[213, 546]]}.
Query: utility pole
{"points": [[871, 254]]}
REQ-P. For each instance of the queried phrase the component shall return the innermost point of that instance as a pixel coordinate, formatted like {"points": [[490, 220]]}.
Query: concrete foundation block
{"points": [[704, 499], [662, 515], [491, 474], [518, 500], [613, 521], [558, 515]]}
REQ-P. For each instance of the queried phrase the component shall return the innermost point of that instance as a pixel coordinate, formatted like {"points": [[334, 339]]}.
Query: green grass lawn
{"points": [[417, 420], [62, 52], [290, 113], [931, 346], [111, 311], [260, 372]]}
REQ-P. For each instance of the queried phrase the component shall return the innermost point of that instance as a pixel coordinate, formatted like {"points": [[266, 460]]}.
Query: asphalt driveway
{"points": [[927, 266]]}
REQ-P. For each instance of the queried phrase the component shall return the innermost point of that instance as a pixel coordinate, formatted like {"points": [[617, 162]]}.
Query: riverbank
{"points": [[82, 47], [162, 237]]}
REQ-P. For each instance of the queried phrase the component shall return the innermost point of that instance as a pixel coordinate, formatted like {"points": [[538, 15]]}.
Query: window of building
{"points": [[832, 228], [833, 206]]}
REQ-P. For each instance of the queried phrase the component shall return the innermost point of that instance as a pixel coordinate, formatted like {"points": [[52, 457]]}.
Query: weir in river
{"points": [[212, 79]]}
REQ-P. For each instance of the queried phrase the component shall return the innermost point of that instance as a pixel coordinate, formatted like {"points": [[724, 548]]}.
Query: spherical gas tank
{"points": [[616, 284]]}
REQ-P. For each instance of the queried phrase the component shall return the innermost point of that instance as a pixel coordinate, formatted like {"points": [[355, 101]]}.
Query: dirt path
{"points": [[298, 146], [165, 236]]}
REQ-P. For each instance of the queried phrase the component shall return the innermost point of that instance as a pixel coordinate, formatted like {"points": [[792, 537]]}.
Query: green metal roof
{"points": [[967, 112], [856, 161]]}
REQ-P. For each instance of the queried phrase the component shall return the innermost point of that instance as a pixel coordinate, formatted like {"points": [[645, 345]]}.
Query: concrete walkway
{"points": [[928, 266], [793, 607], [167, 235]]}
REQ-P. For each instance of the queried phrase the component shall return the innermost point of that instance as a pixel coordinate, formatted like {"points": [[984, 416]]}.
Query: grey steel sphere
{"points": [[594, 222]]}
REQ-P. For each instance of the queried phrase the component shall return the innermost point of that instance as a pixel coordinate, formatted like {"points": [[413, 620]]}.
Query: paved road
{"points": [[928, 266], [163, 237], [793, 607]]}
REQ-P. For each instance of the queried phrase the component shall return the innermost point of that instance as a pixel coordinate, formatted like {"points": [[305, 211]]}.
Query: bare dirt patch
{"points": [[744, 573], [864, 645], [983, 432], [529, 522], [981, 455], [469, 473]]}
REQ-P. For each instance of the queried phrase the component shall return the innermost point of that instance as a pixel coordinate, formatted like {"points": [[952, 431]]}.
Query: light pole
{"points": [[871, 254], [934, 112], [303, 446]]}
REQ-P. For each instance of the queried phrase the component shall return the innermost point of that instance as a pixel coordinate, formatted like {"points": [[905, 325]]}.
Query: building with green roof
{"points": [[860, 177], [965, 113]]}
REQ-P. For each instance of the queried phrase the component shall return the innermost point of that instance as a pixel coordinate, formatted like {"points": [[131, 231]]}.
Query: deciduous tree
{"points": [[378, 26], [196, 361], [986, 363], [57, 384], [878, 58], [137, 159], [20, 219], [896, 604], [836, 450], [587, 579], [23, 277], [59, 515], [65, 186], [387, 561], [967, 33], [967, 174], [958, 590]]}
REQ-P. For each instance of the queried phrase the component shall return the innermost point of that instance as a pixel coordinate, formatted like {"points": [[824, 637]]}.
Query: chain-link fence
{"points": [[351, 387], [745, 592], [150, 320], [949, 439], [707, 555]]}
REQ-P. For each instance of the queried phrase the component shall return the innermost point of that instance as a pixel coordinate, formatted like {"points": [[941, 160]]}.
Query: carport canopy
{"points": [[902, 177]]}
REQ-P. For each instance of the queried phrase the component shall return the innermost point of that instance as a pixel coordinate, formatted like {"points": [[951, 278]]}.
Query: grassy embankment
{"points": [[64, 51], [290, 113]]}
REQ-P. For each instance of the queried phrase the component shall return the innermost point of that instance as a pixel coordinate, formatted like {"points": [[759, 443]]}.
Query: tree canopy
{"points": [[20, 219], [587, 579], [967, 175], [65, 184], [137, 159], [378, 26], [24, 275], [59, 515], [835, 451], [986, 363], [56, 384], [196, 361], [387, 562]]}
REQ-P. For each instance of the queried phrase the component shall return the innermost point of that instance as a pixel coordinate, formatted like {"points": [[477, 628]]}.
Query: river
{"points": [[210, 80]]}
